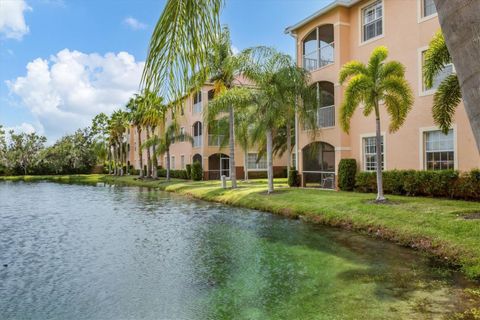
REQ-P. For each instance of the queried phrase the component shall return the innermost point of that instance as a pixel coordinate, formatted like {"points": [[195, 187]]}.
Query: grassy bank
{"points": [[436, 226]]}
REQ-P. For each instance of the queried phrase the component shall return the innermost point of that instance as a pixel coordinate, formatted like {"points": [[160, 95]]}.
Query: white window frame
{"points": [[172, 162], [421, 85], [182, 134], [360, 22], [362, 150], [421, 146], [256, 168], [420, 12], [182, 162], [197, 94]]}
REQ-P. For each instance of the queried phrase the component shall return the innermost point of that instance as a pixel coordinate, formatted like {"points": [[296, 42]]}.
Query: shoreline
{"points": [[432, 226]]}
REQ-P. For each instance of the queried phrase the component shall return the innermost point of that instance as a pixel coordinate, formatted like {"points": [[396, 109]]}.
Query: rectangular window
{"points": [[182, 134], [182, 162], [442, 74], [428, 8], [372, 21], [172, 163], [182, 109], [439, 150], [211, 94], [370, 154], [252, 163], [197, 102]]}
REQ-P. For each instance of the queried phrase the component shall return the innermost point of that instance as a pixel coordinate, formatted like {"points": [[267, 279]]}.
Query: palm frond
{"points": [[357, 89], [445, 102], [436, 58], [351, 69], [398, 99]]}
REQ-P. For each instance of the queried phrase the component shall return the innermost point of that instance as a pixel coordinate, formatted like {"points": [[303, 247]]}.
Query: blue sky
{"points": [[85, 56]]}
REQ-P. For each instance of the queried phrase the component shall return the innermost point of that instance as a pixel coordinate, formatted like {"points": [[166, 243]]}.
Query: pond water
{"points": [[106, 252]]}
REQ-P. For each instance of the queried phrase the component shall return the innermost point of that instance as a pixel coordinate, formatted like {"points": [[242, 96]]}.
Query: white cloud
{"points": [[235, 50], [64, 92], [24, 127], [134, 23], [12, 19]]}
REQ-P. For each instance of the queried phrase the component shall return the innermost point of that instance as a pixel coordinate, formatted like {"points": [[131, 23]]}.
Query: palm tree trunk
{"points": [[378, 146], [460, 21], [154, 158], [269, 160], [139, 149], [109, 155], [121, 156], [168, 164], [245, 164], [289, 148], [233, 175], [149, 159], [114, 160]]}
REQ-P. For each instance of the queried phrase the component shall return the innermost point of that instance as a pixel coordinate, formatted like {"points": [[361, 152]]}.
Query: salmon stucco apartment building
{"points": [[349, 30], [209, 147]]}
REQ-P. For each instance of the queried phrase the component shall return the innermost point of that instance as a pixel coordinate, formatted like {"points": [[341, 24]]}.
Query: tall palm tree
{"points": [[165, 141], [118, 126], [460, 21], [221, 68], [377, 83], [278, 84], [448, 95], [136, 114]]}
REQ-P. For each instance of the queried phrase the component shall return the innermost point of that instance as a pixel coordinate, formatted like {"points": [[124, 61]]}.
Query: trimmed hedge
{"points": [[347, 170], [188, 168], [178, 174], [197, 171], [294, 179], [443, 184]]}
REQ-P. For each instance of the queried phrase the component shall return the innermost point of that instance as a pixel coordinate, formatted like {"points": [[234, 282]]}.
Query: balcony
{"points": [[215, 140], [326, 117], [197, 141], [197, 107], [319, 58]]}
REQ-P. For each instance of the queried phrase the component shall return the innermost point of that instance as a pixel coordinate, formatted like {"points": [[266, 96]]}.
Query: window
{"points": [[252, 163], [182, 134], [211, 94], [372, 21], [182, 109], [172, 163], [370, 154], [439, 150], [442, 75], [197, 134], [182, 162], [428, 8], [319, 48], [326, 104], [197, 102]]}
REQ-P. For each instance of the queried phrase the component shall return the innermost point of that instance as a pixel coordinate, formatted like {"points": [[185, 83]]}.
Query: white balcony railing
{"points": [[320, 57], [197, 141], [197, 107], [326, 117], [215, 140]]}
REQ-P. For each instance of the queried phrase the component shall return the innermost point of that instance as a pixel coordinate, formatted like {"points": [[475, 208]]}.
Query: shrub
{"points": [[133, 172], [188, 168], [366, 182], [294, 179], [197, 172], [393, 181], [467, 186], [347, 169]]}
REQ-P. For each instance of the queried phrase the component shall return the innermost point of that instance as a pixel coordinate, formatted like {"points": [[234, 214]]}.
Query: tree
{"points": [[163, 143], [135, 115], [278, 85], [221, 68], [99, 131], [448, 95], [460, 21], [372, 85], [23, 150], [179, 45], [118, 126]]}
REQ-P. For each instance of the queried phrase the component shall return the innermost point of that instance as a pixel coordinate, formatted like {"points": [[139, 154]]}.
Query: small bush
{"points": [[347, 170], [197, 172], [294, 179], [366, 182], [188, 168]]}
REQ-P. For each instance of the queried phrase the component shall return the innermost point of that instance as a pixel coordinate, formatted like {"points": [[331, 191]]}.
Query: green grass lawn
{"points": [[435, 226]]}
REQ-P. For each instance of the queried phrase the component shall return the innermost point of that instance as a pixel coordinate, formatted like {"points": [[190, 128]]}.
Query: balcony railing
{"points": [[320, 57], [197, 141], [197, 107], [215, 140], [326, 117], [319, 179]]}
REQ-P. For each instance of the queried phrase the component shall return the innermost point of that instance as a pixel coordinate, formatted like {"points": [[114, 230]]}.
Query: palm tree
{"points": [[278, 84], [371, 85], [136, 114], [448, 95], [163, 143], [460, 20], [118, 126], [179, 45], [221, 68]]}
